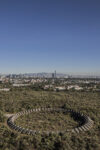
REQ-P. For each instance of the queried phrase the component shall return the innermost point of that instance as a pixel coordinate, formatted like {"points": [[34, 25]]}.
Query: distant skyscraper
{"points": [[55, 74]]}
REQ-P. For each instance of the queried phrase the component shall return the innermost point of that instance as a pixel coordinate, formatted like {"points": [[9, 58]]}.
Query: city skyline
{"points": [[51, 74], [43, 36]]}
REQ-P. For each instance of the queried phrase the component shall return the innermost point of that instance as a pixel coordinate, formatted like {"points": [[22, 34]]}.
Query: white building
{"points": [[60, 88], [20, 85], [5, 89], [76, 87]]}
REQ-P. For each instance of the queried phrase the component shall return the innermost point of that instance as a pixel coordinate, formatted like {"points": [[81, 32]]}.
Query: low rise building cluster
{"points": [[55, 84]]}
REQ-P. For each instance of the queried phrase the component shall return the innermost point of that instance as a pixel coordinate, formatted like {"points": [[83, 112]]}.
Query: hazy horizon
{"points": [[67, 73]]}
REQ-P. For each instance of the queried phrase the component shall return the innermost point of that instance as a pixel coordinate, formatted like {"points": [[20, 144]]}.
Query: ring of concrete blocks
{"points": [[86, 122]]}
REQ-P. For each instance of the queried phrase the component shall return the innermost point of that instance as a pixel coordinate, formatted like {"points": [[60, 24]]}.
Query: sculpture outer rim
{"points": [[87, 123]]}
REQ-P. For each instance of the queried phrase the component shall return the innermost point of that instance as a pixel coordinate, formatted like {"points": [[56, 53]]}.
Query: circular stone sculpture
{"points": [[86, 122]]}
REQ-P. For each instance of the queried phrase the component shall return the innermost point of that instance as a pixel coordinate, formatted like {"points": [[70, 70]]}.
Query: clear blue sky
{"points": [[44, 35]]}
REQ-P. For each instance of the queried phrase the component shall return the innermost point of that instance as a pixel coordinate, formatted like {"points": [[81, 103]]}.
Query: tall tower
{"points": [[55, 73]]}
